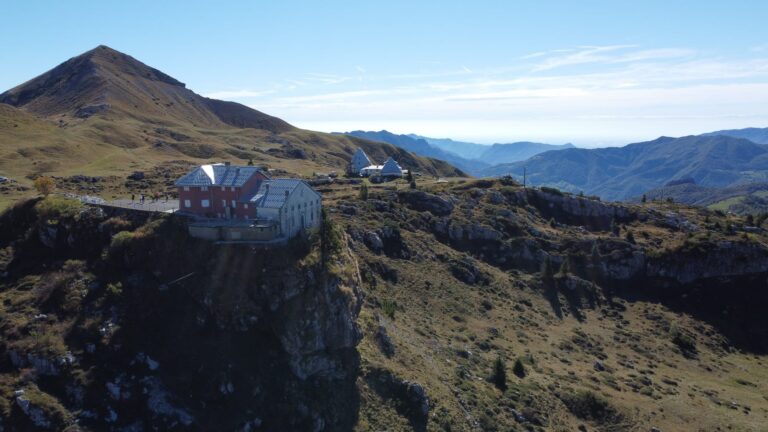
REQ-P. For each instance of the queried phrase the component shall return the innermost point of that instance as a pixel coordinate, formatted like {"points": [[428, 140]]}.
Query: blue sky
{"points": [[590, 72]]}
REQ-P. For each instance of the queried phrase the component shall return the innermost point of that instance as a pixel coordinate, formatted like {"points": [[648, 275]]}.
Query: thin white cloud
{"points": [[326, 78], [612, 54], [594, 94], [589, 54]]}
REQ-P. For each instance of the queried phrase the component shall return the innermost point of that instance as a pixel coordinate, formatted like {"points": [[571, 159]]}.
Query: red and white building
{"points": [[224, 191]]}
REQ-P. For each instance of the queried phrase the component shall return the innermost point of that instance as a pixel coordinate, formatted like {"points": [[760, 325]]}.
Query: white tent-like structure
{"points": [[371, 171], [391, 169], [359, 161]]}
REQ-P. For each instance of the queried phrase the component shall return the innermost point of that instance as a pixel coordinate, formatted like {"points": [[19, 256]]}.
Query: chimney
{"points": [[226, 163]]}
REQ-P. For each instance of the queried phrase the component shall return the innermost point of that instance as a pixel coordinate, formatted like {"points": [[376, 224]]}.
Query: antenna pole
{"points": [[524, 174]]}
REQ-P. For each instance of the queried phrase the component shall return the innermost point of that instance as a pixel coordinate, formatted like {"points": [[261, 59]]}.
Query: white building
{"points": [[391, 169], [359, 161], [291, 202], [362, 165], [371, 170]]}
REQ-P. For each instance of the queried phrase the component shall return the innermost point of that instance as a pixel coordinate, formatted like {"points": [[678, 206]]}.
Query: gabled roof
{"points": [[218, 175], [273, 193], [391, 168], [360, 159]]}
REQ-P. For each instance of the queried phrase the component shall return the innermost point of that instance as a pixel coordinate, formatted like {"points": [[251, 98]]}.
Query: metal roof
{"points": [[273, 193], [360, 159], [218, 175], [391, 168]]}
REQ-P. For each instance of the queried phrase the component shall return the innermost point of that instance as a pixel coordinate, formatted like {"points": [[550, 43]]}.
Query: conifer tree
{"points": [[499, 374]]}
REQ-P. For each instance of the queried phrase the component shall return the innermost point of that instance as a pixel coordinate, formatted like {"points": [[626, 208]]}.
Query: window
{"points": [[187, 203], [223, 203], [245, 206], [186, 188], [234, 204], [204, 188], [205, 203], [232, 188]]}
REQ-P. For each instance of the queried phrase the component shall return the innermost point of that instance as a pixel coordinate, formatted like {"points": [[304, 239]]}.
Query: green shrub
{"points": [[120, 240], [508, 180], [551, 190], [49, 406], [54, 208], [115, 225], [685, 342], [114, 291], [389, 307], [330, 239]]}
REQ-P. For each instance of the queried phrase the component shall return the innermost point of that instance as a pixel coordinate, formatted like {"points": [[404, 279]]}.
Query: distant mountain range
{"points": [[470, 157], [756, 135], [625, 172], [496, 153], [740, 199]]}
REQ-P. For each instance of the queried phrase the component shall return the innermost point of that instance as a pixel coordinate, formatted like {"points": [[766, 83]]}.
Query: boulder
{"points": [[423, 201], [373, 241], [136, 175], [467, 271]]}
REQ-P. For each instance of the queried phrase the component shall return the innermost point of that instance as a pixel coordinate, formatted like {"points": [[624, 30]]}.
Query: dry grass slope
{"points": [[104, 113]]}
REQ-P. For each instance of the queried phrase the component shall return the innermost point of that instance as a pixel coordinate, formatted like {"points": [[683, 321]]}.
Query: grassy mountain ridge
{"points": [[104, 113], [625, 172], [750, 198], [452, 291]]}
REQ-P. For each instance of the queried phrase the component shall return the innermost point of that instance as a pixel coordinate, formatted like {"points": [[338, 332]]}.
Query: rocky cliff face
{"points": [[148, 329], [684, 259]]}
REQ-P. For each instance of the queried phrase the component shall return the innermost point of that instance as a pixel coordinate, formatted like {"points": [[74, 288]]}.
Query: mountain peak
{"points": [[106, 82], [117, 62], [102, 50]]}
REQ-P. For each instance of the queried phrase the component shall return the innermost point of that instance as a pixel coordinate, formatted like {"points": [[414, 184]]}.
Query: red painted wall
{"points": [[220, 198]]}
